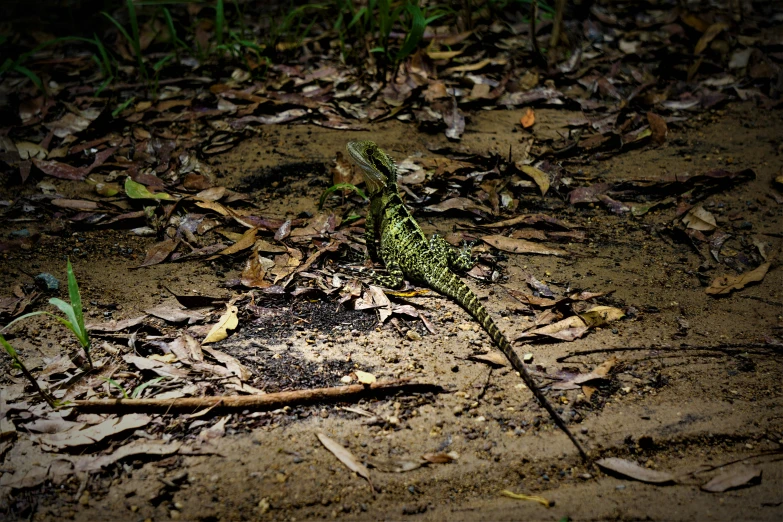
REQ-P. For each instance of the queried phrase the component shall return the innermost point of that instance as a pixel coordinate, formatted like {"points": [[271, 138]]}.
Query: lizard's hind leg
{"points": [[458, 260], [394, 278]]}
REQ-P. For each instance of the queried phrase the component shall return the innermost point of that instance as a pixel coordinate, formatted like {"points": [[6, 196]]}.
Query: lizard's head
{"points": [[377, 167]]}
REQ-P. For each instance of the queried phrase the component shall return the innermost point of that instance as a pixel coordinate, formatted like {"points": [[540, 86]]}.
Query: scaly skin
{"points": [[406, 251]]}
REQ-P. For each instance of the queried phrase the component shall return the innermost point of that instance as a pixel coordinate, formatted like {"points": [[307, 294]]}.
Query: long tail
{"points": [[450, 284]]}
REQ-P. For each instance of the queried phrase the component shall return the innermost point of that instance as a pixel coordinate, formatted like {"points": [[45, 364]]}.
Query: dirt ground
{"points": [[697, 391]]}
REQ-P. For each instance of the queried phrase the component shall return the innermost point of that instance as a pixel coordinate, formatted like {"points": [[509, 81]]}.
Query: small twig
{"points": [[269, 401], [726, 348]]}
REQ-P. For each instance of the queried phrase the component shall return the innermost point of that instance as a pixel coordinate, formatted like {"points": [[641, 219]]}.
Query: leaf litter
{"points": [[625, 106]]}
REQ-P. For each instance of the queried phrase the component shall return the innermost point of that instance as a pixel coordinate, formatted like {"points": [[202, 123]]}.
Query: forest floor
{"points": [[694, 387]]}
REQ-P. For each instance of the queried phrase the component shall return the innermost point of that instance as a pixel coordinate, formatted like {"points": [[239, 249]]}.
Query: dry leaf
{"points": [[440, 458], [699, 219], [521, 246], [532, 498], [228, 321], [726, 284], [633, 470], [247, 240], [98, 432], [734, 478], [709, 35], [528, 118], [658, 128], [601, 315], [364, 377], [345, 456], [539, 176]]}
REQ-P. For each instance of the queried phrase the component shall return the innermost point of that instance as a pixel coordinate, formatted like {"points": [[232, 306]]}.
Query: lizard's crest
{"points": [[377, 167]]}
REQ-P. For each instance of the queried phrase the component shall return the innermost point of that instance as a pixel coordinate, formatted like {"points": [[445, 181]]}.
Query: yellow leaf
{"points": [[219, 331], [364, 377]]}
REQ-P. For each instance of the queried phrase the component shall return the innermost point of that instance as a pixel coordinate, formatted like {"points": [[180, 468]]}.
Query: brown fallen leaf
{"points": [[161, 368], [528, 118], [601, 315], [158, 252], [493, 358], [709, 35], [658, 128], [93, 434], [537, 175], [440, 458], [568, 329], [175, 315], [736, 477], [137, 447], [699, 219], [115, 326], [633, 470], [345, 456], [521, 246], [459, 204], [724, 285], [247, 240]]}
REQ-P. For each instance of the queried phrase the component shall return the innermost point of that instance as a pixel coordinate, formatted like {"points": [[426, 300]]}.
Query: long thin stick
{"points": [[269, 401]]}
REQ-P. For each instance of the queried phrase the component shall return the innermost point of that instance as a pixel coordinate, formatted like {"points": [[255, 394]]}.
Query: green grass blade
{"points": [[414, 35], [76, 302], [25, 316], [220, 21], [141, 387], [30, 74], [339, 186], [117, 385]]}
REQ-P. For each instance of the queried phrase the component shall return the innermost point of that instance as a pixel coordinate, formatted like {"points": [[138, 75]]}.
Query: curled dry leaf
{"points": [[247, 240], [724, 285], [699, 219], [345, 456], [633, 470], [539, 176], [568, 329], [528, 118], [440, 458], [228, 321]]}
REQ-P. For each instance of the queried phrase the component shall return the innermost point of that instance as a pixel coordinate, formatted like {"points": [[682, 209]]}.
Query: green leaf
{"points": [[416, 32], [138, 191], [339, 186], [121, 107], [76, 304], [71, 321], [9, 348]]}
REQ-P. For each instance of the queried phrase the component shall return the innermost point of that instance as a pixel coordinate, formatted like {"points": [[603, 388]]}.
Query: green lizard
{"points": [[406, 251]]}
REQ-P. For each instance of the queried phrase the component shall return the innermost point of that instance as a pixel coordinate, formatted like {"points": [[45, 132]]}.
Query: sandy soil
{"points": [[694, 391]]}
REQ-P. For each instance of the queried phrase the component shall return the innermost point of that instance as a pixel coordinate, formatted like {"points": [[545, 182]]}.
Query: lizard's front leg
{"points": [[458, 260], [369, 235]]}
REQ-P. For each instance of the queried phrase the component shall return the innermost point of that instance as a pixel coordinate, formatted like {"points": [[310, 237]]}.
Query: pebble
{"points": [[528, 358], [413, 335]]}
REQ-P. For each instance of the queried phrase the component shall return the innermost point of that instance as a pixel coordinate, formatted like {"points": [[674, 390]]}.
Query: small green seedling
{"points": [[74, 318]]}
